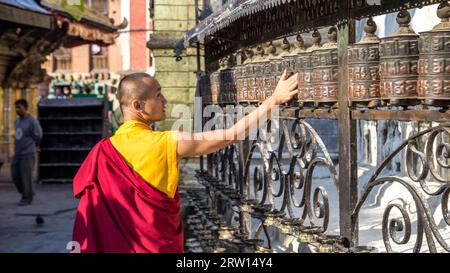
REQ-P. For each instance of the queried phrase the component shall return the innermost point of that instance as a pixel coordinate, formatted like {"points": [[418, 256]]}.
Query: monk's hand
{"points": [[286, 89]]}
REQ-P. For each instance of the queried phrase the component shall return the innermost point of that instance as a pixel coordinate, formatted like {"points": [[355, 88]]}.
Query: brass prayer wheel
{"points": [[262, 74], [399, 55], [240, 74], [304, 69], [363, 68], [434, 61], [232, 92], [227, 90], [299, 48], [287, 62], [326, 71], [249, 79], [257, 81], [215, 83], [223, 81], [293, 58], [273, 70]]}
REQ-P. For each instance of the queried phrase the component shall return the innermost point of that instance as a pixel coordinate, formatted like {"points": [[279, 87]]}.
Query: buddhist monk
{"points": [[128, 184]]}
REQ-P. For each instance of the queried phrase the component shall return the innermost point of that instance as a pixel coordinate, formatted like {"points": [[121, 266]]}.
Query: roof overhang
{"points": [[223, 17], [89, 17], [25, 12], [80, 33], [227, 14]]}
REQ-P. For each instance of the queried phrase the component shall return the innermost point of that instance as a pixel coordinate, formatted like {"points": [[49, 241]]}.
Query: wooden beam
{"points": [[161, 43], [402, 115], [25, 17], [348, 165], [371, 114], [311, 113]]}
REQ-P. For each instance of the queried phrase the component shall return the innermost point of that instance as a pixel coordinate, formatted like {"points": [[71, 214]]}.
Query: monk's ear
{"points": [[135, 105]]}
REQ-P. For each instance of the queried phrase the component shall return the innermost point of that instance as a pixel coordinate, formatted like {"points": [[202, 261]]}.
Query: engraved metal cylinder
{"points": [[399, 55], [272, 71], [227, 87], [244, 81], [205, 89], [434, 60], [363, 67], [238, 79], [226, 81], [326, 70], [258, 80], [293, 58], [264, 79], [304, 68], [261, 77], [287, 58], [242, 73], [215, 86]]}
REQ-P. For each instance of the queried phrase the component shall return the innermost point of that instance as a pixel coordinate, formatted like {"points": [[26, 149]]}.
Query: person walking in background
{"points": [[28, 135]]}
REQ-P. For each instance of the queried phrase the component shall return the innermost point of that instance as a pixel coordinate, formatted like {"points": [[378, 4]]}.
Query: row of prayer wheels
{"points": [[403, 69]]}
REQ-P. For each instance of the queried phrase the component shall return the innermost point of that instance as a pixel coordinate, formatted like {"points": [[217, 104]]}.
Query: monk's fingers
{"points": [[293, 85], [294, 92], [284, 76], [294, 77], [293, 81]]}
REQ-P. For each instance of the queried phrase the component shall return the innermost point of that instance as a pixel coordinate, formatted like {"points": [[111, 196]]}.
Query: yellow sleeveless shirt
{"points": [[152, 154]]}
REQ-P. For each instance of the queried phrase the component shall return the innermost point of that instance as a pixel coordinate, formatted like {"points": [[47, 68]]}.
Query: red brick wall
{"points": [[114, 54], [138, 39]]}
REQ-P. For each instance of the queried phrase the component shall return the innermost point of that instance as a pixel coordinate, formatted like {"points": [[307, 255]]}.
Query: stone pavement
{"points": [[19, 231]]}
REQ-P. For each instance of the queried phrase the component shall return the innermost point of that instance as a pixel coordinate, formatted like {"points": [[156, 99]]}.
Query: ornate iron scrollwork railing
{"points": [[274, 185], [281, 181], [429, 161], [272, 177]]}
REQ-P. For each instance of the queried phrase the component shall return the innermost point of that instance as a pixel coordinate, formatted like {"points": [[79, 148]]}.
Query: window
{"points": [[100, 6], [62, 60], [99, 57]]}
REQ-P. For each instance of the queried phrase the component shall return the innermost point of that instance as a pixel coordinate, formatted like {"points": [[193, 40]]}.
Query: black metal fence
{"points": [[261, 190]]}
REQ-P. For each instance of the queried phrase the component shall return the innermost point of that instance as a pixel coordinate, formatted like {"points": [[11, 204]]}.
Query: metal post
{"points": [[6, 115], [198, 70], [348, 178]]}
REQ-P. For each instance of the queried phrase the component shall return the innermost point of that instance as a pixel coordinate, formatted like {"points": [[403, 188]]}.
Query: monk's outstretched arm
{"points": [[193, 144]]}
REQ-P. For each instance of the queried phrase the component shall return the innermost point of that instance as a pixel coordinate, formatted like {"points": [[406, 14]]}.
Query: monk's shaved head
{"points": [[135, 86]]}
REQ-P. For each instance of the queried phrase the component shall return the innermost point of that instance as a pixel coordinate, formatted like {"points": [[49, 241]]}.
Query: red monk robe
{"points": [[119, 211]]}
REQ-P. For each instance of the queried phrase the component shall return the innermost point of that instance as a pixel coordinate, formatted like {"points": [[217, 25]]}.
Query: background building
{"points": [[170, 19], [31, 31], [92, 62], [95, 62]]}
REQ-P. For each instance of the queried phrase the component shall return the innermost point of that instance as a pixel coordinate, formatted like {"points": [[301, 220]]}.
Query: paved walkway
{"points": [[19, 231]]}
